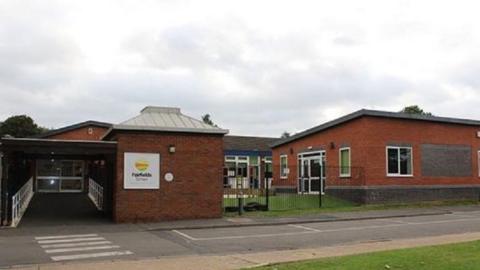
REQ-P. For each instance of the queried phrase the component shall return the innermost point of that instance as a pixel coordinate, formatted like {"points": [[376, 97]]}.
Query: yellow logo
{"points": [[141, 165]]}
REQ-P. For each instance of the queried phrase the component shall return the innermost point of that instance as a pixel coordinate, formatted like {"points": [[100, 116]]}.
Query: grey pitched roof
{"points": [[73, 127], [166, 119], [375, 113], [248, 143]]}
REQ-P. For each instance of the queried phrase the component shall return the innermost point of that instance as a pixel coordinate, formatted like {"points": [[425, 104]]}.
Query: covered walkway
{"points": [[54, 209]]}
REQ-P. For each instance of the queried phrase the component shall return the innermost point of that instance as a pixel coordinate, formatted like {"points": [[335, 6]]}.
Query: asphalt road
{"points": [[109, 241]]}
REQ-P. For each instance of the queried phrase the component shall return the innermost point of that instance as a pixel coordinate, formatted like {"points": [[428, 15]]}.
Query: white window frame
{"points": [[349, 174], [282, 174], [386, 162]]}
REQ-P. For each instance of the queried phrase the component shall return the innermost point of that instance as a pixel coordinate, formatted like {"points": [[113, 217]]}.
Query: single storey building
{"points": [[159, 165], [250, 158], [375, 156]]}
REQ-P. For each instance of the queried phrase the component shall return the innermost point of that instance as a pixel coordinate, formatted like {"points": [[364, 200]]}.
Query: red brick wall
{"points": [[352, 134], [368, 138], [81, 134], [197, 188], [382, 131]]}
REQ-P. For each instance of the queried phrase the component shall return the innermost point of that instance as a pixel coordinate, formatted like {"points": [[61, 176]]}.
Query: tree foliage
{"points": [[20, 126], [415, 109], [207, 120], [285, 135]]}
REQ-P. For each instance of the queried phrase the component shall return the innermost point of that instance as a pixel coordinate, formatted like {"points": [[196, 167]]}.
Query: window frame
{"points": [[349, 174], [399, 163], [282, 175]]}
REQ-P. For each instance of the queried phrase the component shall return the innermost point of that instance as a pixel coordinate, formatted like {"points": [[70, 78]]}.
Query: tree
{"points": [[414, 109], [285, 135], [206, 119], [20, 126]]}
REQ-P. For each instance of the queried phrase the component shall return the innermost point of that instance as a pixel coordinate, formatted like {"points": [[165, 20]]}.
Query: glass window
{"points": [[399, 161], [253, 161], [345, 161], [283, 166]]}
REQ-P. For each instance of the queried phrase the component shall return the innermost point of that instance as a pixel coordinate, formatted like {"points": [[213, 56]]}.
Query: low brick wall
{"points": [[404, 194]]}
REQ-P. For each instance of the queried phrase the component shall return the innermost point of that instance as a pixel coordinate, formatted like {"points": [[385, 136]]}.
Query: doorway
{"points": [[311, 172], [60, 175]]}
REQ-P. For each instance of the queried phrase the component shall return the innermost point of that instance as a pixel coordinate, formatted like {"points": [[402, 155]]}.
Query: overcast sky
{"points": [[258, 67]]}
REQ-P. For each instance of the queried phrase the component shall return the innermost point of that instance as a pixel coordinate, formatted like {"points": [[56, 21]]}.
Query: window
{"points": [[283, 166], [399, 161], [345, 165]]}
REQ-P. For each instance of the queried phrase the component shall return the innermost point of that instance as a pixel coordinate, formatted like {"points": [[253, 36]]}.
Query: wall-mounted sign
{"points": [[169, 177], [141, 171], [478, 134]]}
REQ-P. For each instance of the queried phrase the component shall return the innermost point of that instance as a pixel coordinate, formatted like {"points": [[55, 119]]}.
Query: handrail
{"points": [[95, 193], [20, 202]]}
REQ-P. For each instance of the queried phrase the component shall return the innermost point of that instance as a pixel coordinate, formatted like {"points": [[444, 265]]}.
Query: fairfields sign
{"points": [[141, 171]]}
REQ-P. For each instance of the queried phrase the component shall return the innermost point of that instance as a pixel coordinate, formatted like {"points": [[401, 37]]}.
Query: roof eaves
{"points": [[169, 129], [72, 127]]}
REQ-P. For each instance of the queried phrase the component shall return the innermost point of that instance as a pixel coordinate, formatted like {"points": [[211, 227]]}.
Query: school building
{"points": [[164, 165], [375, 156]]}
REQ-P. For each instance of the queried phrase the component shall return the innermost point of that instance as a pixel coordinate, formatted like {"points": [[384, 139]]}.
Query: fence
{"points": [[20, 201], [95, 193], [300, 189]]}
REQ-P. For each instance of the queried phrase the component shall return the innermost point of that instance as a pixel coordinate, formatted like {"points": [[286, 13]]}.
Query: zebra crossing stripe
{"points": [[71, 240], [91, 255], [76, 244], [65, 236], [60, 250]]}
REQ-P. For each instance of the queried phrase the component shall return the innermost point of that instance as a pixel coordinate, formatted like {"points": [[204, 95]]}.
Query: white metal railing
{"points": [[20, 202], [95, 193]]}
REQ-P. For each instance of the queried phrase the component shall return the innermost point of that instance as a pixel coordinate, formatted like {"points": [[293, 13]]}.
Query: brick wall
{"points": [[381, 132], [81, 134], [368, 138], [197, 189], [351, 134]]}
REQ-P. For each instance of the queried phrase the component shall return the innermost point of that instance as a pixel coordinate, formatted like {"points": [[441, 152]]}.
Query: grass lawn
{"points": [[462, 256], [294, 205]]}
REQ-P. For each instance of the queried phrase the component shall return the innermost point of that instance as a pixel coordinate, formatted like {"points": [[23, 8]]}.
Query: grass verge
{"points": [[301, 205], [462, 256]]}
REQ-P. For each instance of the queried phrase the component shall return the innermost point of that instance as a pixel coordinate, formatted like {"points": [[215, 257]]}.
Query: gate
{"points": [[245, 189]]}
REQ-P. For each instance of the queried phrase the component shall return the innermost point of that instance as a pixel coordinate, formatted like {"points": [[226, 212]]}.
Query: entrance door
{"points": [[312, 173], [60, 175]]}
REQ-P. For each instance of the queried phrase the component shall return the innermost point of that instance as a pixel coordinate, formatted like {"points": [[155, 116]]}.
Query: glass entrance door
{"points": [[312, 172], [60, 175]]}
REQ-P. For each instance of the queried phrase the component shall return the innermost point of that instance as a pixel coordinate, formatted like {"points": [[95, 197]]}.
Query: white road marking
{"points": [[185, 235], [91, 255], [65, 236], [76, 244], [303, 227], [313, 231], [71, 240], [59, 250]]}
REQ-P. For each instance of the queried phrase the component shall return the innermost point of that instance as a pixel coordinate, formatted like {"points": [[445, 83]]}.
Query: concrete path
{"points": [[211, 262]]}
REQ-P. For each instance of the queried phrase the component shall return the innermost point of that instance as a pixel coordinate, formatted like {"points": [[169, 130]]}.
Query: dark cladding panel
{"points": [[446, 160]]}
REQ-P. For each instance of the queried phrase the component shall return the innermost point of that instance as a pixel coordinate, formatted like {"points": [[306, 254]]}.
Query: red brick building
{"points": [[159, 165], [374, 156]]}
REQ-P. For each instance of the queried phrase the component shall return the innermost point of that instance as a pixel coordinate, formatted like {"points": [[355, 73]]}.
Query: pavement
{"points": [[247, 221], [232, 243]]}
